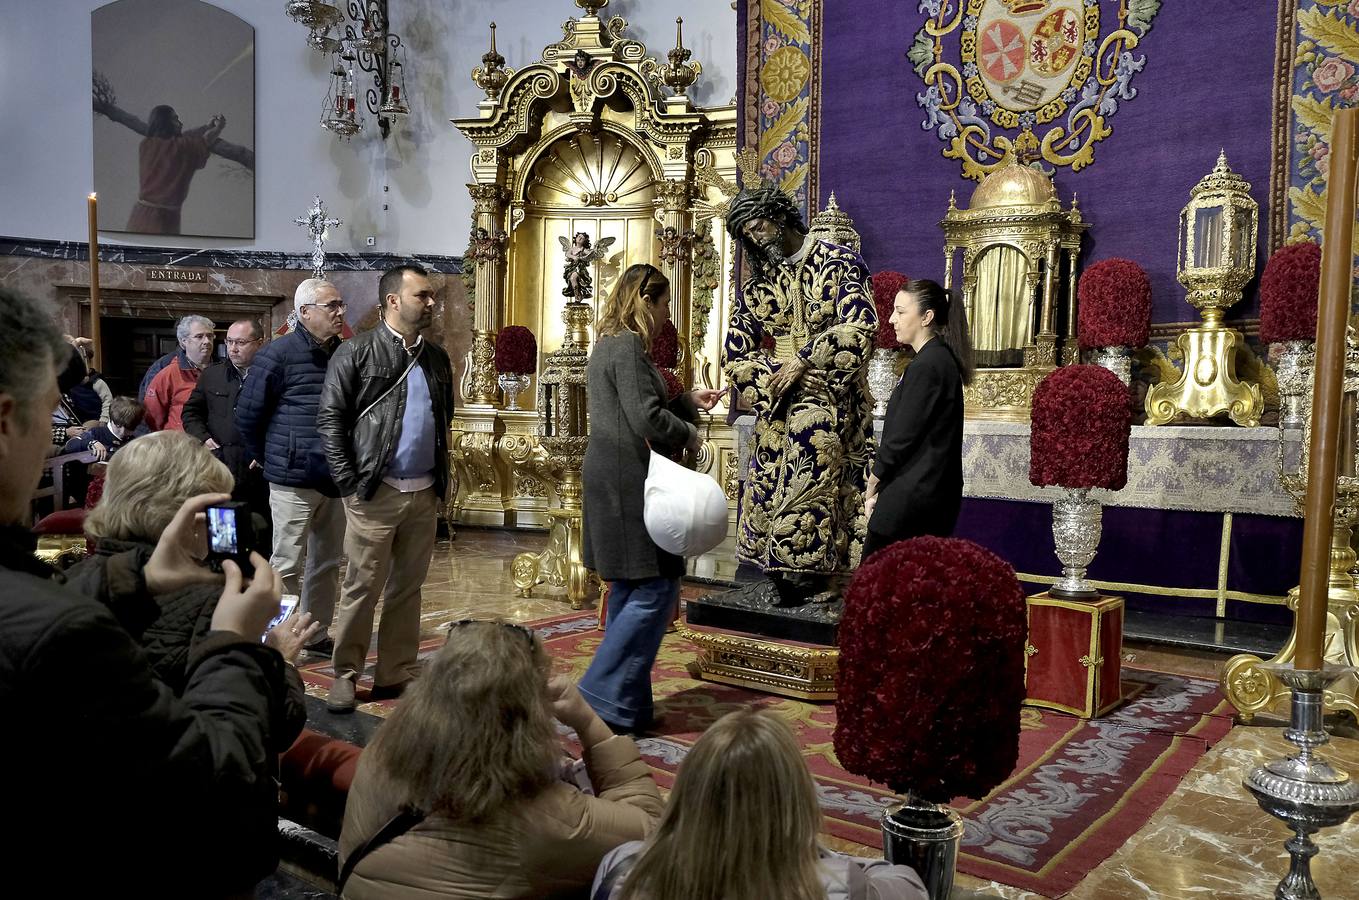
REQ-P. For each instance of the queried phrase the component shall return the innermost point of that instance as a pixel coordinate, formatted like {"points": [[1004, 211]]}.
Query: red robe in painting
{"points": [[167, 166]]}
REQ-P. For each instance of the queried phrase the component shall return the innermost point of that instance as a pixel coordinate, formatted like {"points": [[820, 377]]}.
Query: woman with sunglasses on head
{"points": [[629, 416], [460, 792]]}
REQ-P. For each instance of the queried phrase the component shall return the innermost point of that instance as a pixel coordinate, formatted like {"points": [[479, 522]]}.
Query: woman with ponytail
{"points": [[916, 486]]}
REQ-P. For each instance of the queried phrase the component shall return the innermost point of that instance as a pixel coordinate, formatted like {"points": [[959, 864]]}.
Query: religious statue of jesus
{"points": [[801, 509]]}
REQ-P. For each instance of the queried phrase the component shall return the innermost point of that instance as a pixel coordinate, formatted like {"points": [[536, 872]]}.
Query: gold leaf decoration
{"points": [[785, 21], [794, 179], [1330, 32], [783, 127], [1314, 114]]}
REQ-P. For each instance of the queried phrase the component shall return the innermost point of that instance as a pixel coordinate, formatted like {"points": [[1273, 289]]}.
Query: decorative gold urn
{"points": [[1019, 250], [1217, 257]]}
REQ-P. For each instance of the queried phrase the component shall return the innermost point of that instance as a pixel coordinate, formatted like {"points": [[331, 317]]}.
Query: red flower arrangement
{"points": [[516, 351], [1288, 294], [1081, 425], [673, 387], [767, 343], [886, 286], [931, 675], [1115, 305], [665, 346]]}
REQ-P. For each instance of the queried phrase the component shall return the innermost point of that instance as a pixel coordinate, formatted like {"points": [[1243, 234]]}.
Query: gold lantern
{"points": [[1216, 259]]}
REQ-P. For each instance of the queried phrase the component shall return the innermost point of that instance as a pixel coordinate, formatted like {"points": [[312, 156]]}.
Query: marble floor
{"points": [[1208, 840]]}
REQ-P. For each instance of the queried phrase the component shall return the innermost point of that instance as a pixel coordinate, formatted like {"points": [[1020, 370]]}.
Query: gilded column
{"points": [[488, 204], [676, 239]]}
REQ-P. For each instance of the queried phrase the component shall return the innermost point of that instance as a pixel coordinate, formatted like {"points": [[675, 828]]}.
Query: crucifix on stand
{"points": [[317, 222]]}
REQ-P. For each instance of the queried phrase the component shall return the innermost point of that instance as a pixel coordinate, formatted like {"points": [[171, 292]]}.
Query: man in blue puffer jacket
{"points": [[276, 417]]}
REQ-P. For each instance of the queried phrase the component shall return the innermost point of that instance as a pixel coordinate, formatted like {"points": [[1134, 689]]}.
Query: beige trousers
{"points": [[308, 539], [389, 542]]}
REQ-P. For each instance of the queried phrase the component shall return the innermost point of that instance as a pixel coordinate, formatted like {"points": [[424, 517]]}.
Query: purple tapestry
{"points": [[1204, 82]]}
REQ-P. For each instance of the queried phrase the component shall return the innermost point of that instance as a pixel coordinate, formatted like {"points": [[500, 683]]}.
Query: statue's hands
{"points": [[788, 375]]}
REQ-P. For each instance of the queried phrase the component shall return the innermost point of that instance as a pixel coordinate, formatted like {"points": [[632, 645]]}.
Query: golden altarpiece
{"points": [[595, 137], [1019, 251]]}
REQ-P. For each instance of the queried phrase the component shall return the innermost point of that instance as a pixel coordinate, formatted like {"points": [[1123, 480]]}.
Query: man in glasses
{"points": [[168, 391], [210, 413], [276, 416], [384, 418]]}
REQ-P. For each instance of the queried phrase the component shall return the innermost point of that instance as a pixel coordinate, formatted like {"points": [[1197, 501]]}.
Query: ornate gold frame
{"points": [[533, 132], [1016, 206]]}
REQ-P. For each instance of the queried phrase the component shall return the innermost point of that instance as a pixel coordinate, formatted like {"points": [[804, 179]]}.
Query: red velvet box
{"points": [[1074, 654]]}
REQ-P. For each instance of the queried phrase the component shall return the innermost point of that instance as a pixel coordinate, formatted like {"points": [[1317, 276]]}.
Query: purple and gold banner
{"points": [[1125, 104]]}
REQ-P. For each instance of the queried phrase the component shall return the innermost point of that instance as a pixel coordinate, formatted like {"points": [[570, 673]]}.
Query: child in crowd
{"points": [[125, 414]]}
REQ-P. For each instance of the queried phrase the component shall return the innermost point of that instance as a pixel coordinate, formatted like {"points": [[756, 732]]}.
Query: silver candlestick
{"points": [[1304, 791]]}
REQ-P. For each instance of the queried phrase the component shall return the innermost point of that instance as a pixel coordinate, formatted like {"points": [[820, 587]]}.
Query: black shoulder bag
{"points": [[396, 826]]}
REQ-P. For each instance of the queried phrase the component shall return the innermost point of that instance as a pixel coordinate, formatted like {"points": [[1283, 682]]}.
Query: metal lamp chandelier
{"points": [[366, 41]]}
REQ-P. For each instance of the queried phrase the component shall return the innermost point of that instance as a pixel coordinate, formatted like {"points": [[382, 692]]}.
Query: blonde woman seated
{"points": [[146, 483], [742, 823], [460, 794]]}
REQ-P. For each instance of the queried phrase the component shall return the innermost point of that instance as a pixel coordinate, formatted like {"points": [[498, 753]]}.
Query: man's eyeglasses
{"points": [[526, 632], [332, 307], [232, 342]]}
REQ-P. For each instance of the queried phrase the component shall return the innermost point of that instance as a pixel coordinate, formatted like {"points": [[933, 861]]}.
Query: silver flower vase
{"points": [[926, 837], [1075, 534], [882, 379], [1294, 371], [513, 386], [1116, 359]]}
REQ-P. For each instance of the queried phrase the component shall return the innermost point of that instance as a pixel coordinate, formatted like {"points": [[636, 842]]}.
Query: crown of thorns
{"points": [[764, 202]]}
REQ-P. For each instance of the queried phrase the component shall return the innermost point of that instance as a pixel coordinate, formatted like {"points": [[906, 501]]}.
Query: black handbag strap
{"points": [[396, 826], [613, 877]]}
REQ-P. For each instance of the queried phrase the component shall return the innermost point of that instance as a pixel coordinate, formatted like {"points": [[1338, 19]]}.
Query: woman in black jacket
{"points": [[916, 486]]}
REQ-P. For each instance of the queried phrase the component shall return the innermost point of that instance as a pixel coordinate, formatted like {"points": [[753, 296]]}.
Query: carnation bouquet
{"points": [[1115, 305], [1081, 426], [1289, 288], [931, 675], [516, 351], [886, 286]]}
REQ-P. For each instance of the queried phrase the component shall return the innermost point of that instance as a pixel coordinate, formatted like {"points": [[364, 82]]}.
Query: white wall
{"points": [[45, 102]]}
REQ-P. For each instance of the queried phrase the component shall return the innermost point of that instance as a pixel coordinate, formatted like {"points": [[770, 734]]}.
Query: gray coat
{"points": [[627, 407]]}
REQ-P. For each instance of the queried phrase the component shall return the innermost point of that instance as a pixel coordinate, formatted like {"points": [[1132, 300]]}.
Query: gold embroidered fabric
{"points": [[802, 505]]}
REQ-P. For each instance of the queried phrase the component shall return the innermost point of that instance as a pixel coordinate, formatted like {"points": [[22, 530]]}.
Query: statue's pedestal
{"points": [[750, 609], [742, 639]]}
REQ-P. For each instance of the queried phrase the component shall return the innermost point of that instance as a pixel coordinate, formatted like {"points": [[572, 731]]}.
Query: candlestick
{"points": [[95, 314], [1323, 457]]}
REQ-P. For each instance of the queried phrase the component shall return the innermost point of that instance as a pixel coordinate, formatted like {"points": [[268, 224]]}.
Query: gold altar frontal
{"points": [[787, 668]]}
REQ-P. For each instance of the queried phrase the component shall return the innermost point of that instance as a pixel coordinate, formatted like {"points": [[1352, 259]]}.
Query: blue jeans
{"points": [[618, 683]]}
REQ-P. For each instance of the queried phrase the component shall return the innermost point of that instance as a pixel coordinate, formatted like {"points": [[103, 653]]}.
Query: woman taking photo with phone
{"points": [[916, 485], [629, 416]]}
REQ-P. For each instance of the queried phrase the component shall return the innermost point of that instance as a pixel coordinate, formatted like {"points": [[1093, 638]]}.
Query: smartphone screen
{"points": [[222, 536], [287, 603]]}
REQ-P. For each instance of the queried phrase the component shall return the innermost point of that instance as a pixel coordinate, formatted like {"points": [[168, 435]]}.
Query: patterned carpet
{"points": [[1082, 788]]}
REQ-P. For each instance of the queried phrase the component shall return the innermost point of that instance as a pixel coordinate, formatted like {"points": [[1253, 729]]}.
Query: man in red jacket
{"points": [[174, 383]]}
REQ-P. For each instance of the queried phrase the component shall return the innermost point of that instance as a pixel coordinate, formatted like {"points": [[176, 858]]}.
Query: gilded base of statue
{"points": [[1208, 385], [1253, 689], [773, 666]]}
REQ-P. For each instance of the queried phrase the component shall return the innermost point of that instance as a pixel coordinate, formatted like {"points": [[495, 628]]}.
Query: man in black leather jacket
{"points": [[383, 418]]}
